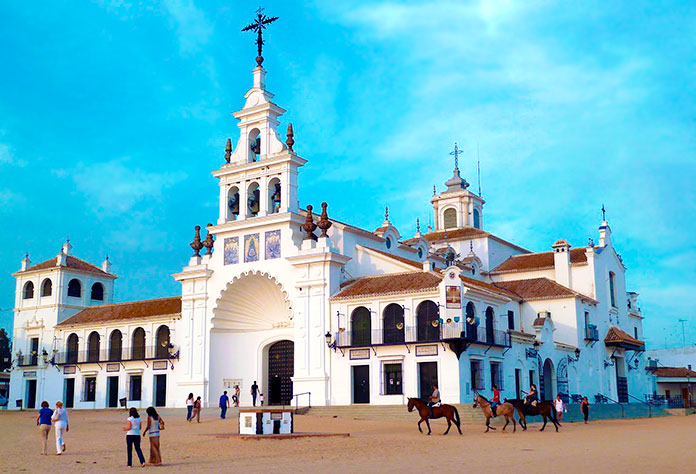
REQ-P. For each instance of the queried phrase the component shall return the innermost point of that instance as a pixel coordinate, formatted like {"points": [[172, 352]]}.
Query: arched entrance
{"points": [[281, 368], [562, 379], [547, 391]]}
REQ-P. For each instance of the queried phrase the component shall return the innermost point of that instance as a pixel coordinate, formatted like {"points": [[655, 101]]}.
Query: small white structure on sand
{"points": [[265, 421]]}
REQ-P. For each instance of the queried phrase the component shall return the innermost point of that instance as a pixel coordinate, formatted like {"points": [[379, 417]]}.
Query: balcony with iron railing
{"points": [[425, 333], [29, 360], [591, 333], [109, 355]]}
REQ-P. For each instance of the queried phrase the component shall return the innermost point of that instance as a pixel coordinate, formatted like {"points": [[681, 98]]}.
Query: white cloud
{"points": [[192, 26], [10, 198], [113, 187]]}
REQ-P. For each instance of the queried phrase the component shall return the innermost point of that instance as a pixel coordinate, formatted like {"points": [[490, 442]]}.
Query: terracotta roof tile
{"points": [[124, 311], [487, 286], [537, 261], [452, 234], [405, 260], [72, 263], [540, 288], [680, 372], [393, 283], [619, 337]]}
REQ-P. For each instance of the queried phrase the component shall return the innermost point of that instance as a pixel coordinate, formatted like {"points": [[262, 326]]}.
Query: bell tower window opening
{"points": [[233, 203], [28, 291], [450, 218], [97, 292], [75, 288], [388, 242], [47, 287], [254, 145], [253, 200], [612, 289], [477, 219], [274, 197]]}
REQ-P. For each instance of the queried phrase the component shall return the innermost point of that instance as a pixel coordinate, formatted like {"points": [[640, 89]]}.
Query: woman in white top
{"points": [[132, 430], [560, 407], [189, 406], [60, 422]]}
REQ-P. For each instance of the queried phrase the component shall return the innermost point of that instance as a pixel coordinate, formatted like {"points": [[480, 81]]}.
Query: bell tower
{"points": [[457, 207], [259, 177]]}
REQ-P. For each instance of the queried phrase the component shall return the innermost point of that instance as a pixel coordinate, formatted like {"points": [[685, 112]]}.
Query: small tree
{"points": [[5, 351]]}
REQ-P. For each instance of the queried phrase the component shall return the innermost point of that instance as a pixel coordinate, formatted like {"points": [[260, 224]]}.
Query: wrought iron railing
{"points": [[591, 333], [28, 360], [424, 333], [108, 355]]}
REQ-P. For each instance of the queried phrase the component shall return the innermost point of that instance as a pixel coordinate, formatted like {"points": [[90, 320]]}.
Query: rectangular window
{"points": [[612, 285], [531, 377], [587, 319], [136, 387], [34, 341], [511, 320], [496, 375], [477, 381], [392, 379], [90, 390], [635, 332]]}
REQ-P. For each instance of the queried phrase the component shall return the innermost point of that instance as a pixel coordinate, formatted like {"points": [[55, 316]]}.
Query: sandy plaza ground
{"points": [[96, 444]]}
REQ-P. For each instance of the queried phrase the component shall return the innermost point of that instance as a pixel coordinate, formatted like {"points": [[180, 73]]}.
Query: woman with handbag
{"points": [[155, 424]]}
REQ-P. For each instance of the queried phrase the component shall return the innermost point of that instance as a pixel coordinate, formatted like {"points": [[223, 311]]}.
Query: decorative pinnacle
{"points": [[208, 242], [386, 213], [604, 213], [417, 225], [258, 26], [434, 190], [228, 150], [197, 245], [309, 226], [324, 223], [290, 140]]}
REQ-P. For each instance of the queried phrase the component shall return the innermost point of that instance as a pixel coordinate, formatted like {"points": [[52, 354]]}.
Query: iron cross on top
{"points": [[456, 154], [258, 26]]}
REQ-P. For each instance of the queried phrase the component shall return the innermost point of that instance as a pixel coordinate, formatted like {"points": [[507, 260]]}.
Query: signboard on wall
{"points": [[159, 365], [453, 297], [113, 367], [30, 374], [69, 369], [429, 350], [359, 354], [228, 384]]}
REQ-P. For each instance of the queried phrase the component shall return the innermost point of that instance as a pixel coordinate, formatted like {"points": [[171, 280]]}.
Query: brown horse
{"points": [[544, 409], [448, 411], [504, 409]]}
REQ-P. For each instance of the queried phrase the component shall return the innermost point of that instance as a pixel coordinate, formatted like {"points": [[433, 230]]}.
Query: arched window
{"points": [[477, 219], [93, 347], [233, 203], [420, 252], [471, 323], [115, 345], [47, 287], [162, 349], [254, 145], [71, 349], [490, 325], [612, 288], [253, 200], [97, 292], [360, 327], [28, 292], [138, 344], [393, 324], [75, 288], [427, 315], [274, 196], [450, 218], [388, 242]]}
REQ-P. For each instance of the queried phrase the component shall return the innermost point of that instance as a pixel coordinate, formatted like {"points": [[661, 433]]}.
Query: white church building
{"points": [[302, 303]]}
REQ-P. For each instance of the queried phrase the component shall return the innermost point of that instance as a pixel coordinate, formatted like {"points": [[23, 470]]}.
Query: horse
{"points": [[503, 409], [448, 411], [544, 409]]}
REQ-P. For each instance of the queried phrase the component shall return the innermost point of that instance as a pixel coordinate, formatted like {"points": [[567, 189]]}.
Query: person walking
{"points": [[43, 421], [154, 424], [585, 407], [189, 406], [61, 424], [560, 407], [196, 410], [254, 392], [236, 395], [224, 404], [132, 430]]}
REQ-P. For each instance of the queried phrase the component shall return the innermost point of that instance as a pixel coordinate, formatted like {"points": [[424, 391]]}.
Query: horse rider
{"points": [[532, 397], [434, 399], [495, 401]]}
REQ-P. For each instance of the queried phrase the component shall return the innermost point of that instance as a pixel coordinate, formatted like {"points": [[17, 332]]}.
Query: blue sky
{"points": [[113, 115]]}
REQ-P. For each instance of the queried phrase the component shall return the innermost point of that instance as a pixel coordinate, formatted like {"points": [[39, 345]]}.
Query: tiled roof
{"points": [[619, 337], [405, 260], [72, 263], [452, 234], [537, 261], [540, 289], [487, 286], [388, 284], [675, 372], [161, 307]]}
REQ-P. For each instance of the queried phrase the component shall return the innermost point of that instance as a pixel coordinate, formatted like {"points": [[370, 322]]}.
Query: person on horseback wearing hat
{"points": [[495, 401], [434, 399], [532, 397]]}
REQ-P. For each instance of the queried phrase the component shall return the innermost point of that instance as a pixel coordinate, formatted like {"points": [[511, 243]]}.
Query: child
{"points": [[261, 398]]}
